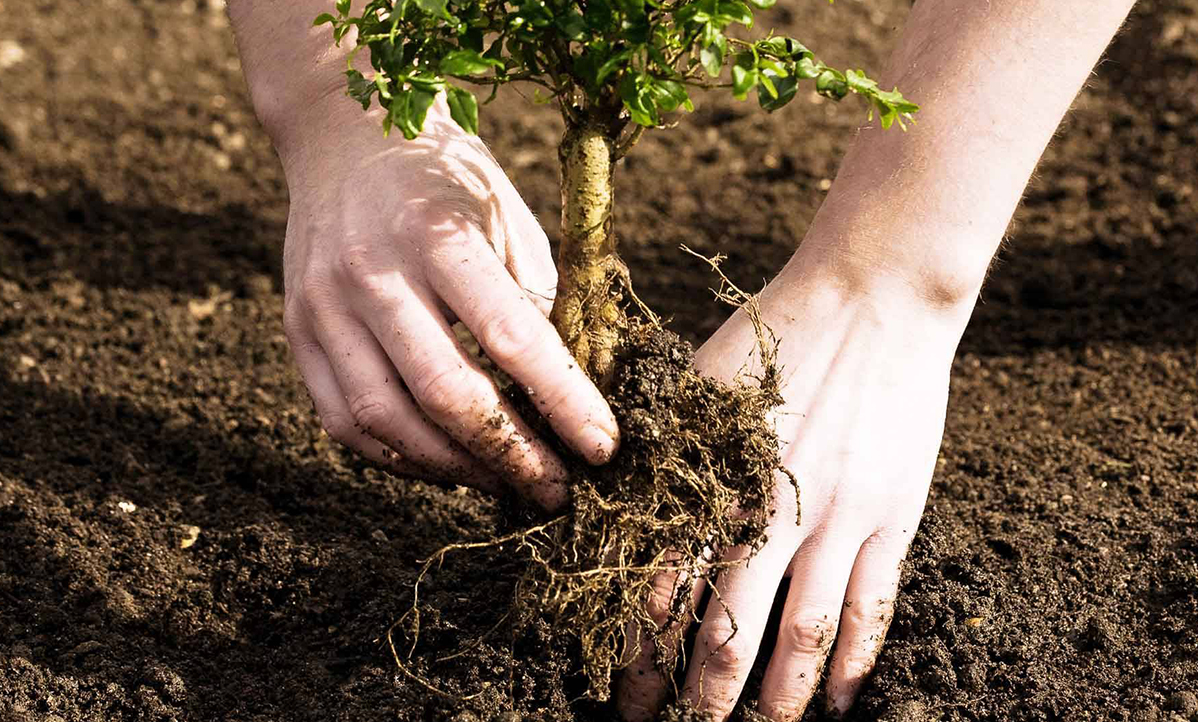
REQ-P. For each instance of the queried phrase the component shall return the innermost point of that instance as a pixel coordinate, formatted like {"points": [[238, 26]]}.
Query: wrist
{"points": [[933, 305], [294, 70], [872, 247]]}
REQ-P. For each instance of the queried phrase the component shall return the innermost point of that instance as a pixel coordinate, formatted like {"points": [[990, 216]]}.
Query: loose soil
{"points": [[179, 541]]}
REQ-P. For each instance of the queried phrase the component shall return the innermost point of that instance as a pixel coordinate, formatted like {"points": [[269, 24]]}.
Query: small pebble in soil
{"points": [[911, 710], [11, 54], [379, 535], [191, 534], [1147, 714], [1185, 702]]}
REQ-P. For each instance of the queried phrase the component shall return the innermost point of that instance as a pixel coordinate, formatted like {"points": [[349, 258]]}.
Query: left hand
{"points": [[865, 389]]}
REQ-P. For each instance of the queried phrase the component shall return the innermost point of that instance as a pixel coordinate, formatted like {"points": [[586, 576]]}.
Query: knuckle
{"points": [[312, 292], [443, 392], [861, 614], [370, 413], [808, 634], [294, 325], [354, 265], [456, 204], [339, 427], [508, 338], [661, 599], [729, 653], [857, 660], [788, 704], [636, 704]]}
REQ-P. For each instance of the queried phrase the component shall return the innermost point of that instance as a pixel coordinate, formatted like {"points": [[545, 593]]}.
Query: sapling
{"points": [[614, 68], [698, 462]]}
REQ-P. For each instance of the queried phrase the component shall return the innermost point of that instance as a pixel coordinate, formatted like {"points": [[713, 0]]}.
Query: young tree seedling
{"points": [[614, 68], [699, 462]]}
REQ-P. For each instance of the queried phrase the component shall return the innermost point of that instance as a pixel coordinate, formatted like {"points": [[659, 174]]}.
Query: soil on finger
{"points": [[146, 389]]}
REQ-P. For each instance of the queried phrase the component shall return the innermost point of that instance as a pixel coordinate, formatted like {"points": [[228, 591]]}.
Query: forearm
{"points": [[922, 212], [295, 72], [291, 66]]}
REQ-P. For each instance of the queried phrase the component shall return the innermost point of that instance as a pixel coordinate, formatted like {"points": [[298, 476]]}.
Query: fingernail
{"points": [[835, 709], [598, 443]]}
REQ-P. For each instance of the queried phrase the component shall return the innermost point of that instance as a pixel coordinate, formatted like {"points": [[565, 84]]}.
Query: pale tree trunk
{"points": [[588, 312]]}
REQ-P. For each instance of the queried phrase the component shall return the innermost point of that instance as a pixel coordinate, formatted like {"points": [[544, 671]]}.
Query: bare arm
{"points": [[869, 311], [928, 207]]}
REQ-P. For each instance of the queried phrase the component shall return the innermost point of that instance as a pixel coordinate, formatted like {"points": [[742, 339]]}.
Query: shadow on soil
{"points": [[284, 589], [115, 246]]}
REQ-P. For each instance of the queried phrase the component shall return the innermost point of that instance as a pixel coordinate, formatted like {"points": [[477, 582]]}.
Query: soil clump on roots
{"points": [[695, 473], [1061, 521]]}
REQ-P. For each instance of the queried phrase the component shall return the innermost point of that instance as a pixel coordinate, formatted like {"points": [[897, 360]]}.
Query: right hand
{"points": [[389, 243]]}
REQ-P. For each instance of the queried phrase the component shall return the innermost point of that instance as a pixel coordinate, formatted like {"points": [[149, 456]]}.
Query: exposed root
{"points": [[695, 474]]}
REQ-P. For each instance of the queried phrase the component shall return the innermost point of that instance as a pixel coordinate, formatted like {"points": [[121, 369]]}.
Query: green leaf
{"points": [[807, 69], [359, 88], [712, 56], [467, 62], [343, 7], [734, 11], [585, 68], [436, 8], [409, 110], [859, 83], [473, 39], [831, 84], [573, 25], [631, 7], [783, 47], [656, 55], [638, 100], [773, 66], [699, 11], [535, 12], [786, 87], [323, 18], [426, 82], [598, 15], [669, 95], [743, 80], [463, 108], [611, 65], [765, 82], [763, 4], [636, 29]]}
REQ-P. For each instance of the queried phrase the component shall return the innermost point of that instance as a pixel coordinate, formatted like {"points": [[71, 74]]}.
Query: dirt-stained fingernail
{"points": [[598, 444], [836, 708]]}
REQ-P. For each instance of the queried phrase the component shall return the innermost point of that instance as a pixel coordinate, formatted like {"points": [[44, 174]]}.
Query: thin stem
{"points": [[629, 141]]}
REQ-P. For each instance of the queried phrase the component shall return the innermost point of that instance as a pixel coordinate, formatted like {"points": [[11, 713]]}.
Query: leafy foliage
{"points": [[615, 60]]}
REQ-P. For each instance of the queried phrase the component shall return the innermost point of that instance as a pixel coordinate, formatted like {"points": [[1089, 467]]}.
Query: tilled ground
{"points": [[179, 541]]}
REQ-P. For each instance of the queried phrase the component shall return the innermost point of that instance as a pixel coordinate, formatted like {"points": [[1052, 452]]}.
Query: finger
{"points": [[810, 616], [371, 405], [514, 233], [868, 610], [455, 393], [330, 406], [528, 258], [643, 686], [523, 343], [733, 624]]}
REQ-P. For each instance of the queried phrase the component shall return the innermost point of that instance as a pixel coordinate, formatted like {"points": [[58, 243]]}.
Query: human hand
{"points": [[389, 242], [865, 383]]}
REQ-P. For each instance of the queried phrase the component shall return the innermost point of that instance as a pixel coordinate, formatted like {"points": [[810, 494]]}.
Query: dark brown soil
{"points": [[146, 388]]}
